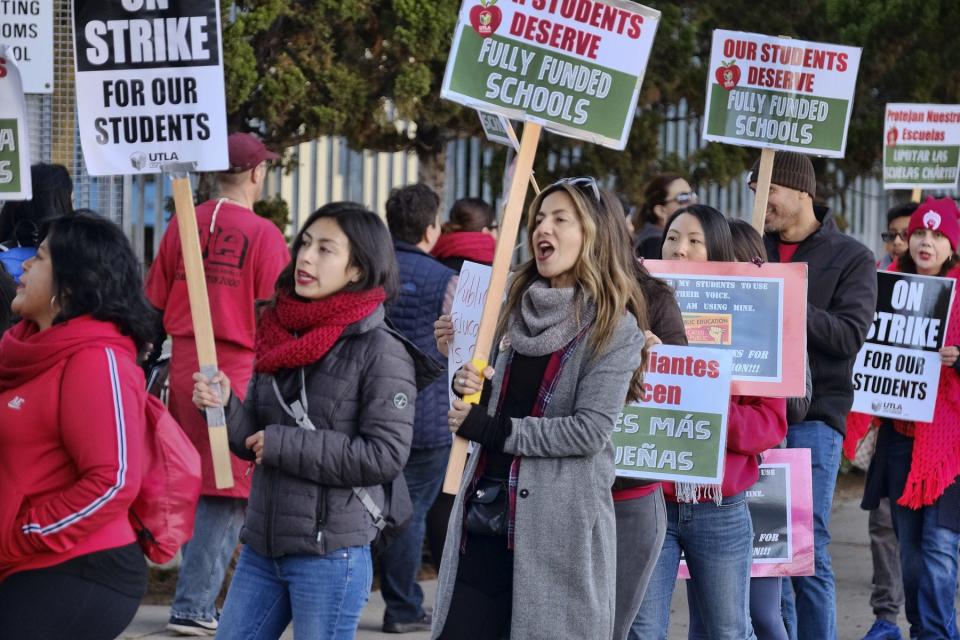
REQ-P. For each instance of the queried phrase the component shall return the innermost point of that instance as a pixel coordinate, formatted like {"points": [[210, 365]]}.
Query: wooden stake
{"points": [[200, 313], [916, 195], [502, 259], [763, 188]]}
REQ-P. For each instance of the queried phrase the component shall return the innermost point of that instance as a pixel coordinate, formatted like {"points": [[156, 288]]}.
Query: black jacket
{"points": [[361, 398], [841, 301]]}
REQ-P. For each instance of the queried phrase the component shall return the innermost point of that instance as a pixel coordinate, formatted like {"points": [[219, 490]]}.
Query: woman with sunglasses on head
{"points": [[72, 424], [470, 234], [711, 523], [916, 465], [663, 195], [530, 550]]}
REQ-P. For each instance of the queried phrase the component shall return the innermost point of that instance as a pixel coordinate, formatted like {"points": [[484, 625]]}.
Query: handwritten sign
{"points": [[466, 312]]}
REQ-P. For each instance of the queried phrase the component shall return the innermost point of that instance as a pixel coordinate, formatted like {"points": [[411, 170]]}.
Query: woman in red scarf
{"points": [[916, 464], [471, 234], [327, 421]]}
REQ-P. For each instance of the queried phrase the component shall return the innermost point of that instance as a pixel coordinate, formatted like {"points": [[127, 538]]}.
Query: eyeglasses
{"points": [[583, 181], [684, 198], [891, 236]]}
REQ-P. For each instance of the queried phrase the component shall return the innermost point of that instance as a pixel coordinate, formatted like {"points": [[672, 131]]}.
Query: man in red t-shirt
{"points": [[242, 256]]}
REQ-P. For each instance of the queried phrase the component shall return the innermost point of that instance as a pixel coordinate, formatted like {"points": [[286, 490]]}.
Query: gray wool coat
{"points": [[565, 539]]}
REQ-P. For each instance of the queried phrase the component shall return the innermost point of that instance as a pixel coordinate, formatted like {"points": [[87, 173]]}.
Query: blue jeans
{"points": [[814, 614], [322, 595], [765, 614], [718, 545], [216, 532], [928, 557], [400, 563]]}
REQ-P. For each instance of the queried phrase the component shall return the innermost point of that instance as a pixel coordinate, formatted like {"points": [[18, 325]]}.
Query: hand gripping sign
{"points": [[572, 67]]}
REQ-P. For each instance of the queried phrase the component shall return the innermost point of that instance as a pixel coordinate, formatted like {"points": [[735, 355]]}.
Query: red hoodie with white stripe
{"points": [[71, 440]]}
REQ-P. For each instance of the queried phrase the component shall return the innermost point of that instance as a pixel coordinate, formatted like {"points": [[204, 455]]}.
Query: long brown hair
{"points": [[607, 272]]}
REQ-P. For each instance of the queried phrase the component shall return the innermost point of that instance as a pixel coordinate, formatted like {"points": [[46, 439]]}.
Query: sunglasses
{"points": [[581, 182], [684, 198], [891, 236]]}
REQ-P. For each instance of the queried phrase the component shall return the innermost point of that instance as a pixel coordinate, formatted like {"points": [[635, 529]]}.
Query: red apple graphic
{"points": [[485, 18], [728, 75]]}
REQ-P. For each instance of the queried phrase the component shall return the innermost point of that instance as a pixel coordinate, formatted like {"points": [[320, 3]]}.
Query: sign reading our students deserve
{"points": [[897, 372], [149, 85], [573, 66], [780, 93], [26, 27], [758, 314], [921, 146], [677, 430], [466, 313], [14, 145]]}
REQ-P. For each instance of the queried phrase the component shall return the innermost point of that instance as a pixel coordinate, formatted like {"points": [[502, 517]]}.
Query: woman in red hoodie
{"points": [[71, 437], [471, 234], [711, 523]]}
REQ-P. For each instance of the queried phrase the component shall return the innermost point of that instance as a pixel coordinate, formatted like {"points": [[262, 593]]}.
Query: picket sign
{"points": [[14, 138], [499, 130]]}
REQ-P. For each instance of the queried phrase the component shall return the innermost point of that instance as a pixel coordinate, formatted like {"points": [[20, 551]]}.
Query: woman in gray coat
{"points": [[531, 547]]}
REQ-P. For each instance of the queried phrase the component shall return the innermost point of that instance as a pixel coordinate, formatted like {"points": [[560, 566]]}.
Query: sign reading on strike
{"points": [[574, 67], [677, 431], [921, 146], [897, 372], [466, 313], [150, 85], [780, 93], [758, 314], [14, 141], [26, 27]]}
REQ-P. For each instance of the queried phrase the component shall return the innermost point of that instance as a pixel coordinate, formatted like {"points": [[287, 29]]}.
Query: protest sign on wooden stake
{"points": [[921, 147], [14, 141], [26, 27]]}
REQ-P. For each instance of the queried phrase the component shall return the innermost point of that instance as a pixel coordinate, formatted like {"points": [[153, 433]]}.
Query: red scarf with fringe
{"points": [[294, 333], [936, 447]]}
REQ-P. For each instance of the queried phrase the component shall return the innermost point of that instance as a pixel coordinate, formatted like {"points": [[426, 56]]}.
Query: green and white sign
{"points": [[14, 141], [574, 67], [921, 146], [499, 130], [677, 431], [780, 93]]}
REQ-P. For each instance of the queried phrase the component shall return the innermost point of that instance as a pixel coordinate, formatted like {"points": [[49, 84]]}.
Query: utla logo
{"points": [[728, 74], [485, 18]]}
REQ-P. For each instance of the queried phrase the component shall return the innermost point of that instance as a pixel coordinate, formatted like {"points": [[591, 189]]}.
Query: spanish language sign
{"points": [[14, 141], [780, 93], [26, 27], [149, 85], [921, 146], [897, 372], [499, 130], [758, 314], [677, 431], [466, 313], [781, 508], [573, 66]]}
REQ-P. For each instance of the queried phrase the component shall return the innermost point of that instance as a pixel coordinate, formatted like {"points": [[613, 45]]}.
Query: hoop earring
{"points": [[53, 302]]}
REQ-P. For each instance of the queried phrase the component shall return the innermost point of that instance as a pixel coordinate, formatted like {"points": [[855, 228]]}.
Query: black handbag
{"points": [[487, 508]]}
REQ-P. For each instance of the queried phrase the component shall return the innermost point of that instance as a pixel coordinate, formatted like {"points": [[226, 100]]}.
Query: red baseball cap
{"points": [[246, 152]]}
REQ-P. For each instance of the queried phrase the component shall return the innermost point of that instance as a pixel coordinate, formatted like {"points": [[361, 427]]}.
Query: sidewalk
{"points": [[850, 550]]}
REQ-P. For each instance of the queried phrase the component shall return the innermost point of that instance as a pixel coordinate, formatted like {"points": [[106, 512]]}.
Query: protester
{"points": [[21, 221], [662, 197], [329, 413], [515, 565], [471, 234], [243, 254], [895, 237], [916, 464], [72, 426], [841, 298], [716, 534], [427, 289], [8, 289]]}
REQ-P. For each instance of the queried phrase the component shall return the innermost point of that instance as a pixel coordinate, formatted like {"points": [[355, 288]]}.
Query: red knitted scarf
{"points": [[936, 446], [294, 333]]}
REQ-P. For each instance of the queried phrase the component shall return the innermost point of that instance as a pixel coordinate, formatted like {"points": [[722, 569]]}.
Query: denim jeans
{"points": [[717, 542], [322, 595], [887, 595], [928, 557], [400, 563], [216, 532], [814, 614], [765, 614]]}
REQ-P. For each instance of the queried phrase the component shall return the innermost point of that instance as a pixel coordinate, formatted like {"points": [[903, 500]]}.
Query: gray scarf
{"points": [[548, 319]]}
